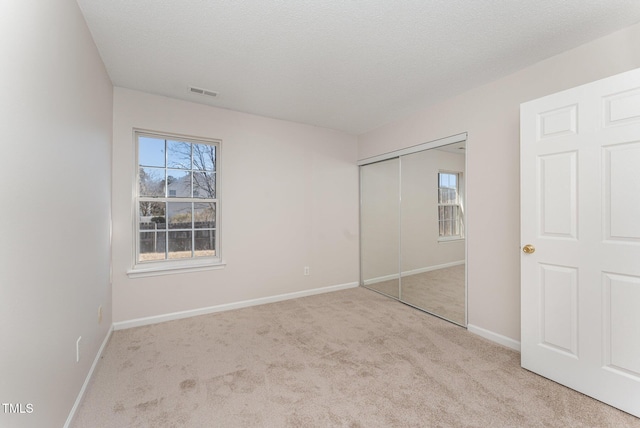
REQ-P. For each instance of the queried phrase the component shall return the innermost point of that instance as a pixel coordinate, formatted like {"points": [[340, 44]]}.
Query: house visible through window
{"points": [[177, 199], [450, 224]]}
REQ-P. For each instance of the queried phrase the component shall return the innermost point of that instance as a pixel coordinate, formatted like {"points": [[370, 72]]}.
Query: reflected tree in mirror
{"points": [[449, 214]]}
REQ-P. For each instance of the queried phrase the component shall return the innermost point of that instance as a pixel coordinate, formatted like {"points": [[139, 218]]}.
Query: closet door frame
{"points": [[453, 139]]}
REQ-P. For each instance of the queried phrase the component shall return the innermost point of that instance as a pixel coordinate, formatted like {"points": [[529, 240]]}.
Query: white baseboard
{"points": [[413, 272], [381, 279], [88, 378], [430, 268], [228, 306], [495, 337]]}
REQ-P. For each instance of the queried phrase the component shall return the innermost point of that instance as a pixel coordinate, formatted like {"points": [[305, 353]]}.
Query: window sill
{"points": [[171, 268], [451, 239]]}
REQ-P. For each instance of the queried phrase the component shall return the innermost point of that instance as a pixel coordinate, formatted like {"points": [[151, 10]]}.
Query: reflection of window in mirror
{"points": [[449, 210]]}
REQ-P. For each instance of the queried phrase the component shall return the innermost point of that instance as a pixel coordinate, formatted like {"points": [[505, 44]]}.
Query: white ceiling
{"points": [[351, 65]]}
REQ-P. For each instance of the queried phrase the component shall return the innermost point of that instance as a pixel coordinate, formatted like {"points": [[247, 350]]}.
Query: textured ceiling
{"points": [[351, 65]]}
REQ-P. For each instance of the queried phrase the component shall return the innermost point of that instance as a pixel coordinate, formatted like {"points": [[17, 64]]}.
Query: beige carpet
{"points": [[440, 292], [352, 358]]}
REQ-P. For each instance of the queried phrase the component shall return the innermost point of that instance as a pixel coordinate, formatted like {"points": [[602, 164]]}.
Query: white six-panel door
{"points": [[580, 213]]}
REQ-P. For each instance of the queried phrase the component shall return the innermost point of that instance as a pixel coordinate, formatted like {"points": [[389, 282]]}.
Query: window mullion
{"points": [[196, 200], [193, 218]]}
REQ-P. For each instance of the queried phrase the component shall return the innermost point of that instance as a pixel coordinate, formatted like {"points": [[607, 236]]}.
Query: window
{"points": [[450, 225], [177, 205]]}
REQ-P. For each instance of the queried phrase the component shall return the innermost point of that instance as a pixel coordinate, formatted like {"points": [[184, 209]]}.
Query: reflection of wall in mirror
{"points": [[421, 248], [379, 220]]}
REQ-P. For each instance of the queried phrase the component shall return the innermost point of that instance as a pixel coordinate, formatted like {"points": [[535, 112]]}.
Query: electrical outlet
{"points": [[78, 349], [99, 314], [306, 271]]}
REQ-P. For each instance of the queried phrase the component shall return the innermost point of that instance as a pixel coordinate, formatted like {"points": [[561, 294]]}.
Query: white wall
{"points": [[289, 199], [490, 114], [56, 109]]}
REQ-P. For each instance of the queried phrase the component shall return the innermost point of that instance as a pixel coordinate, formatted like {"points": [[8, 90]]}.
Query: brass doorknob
{"points": [[529, 249]]}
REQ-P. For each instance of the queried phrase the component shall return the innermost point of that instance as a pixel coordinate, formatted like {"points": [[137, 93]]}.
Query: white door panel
{"points": [[621, 183], [621, 323], [559, 308], [559, 190], [622, 108], [580, 209]]}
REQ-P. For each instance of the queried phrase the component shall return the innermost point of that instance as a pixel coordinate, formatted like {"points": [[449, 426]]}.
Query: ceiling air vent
{"points": [[201, 91]]}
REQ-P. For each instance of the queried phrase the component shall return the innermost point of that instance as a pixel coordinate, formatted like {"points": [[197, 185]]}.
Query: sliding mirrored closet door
{"points": [[379, 226], [412, 227]]}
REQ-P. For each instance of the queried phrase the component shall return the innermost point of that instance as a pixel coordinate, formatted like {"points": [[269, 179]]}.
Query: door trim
{"points": [[458, 138]]}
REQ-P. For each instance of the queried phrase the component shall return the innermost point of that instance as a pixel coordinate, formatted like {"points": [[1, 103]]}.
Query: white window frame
{"points": [[458, 204], [172, 266]]}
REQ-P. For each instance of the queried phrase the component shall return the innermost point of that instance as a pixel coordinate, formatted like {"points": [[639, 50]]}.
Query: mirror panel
{"points": [[379, 226], [432, 231]]}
